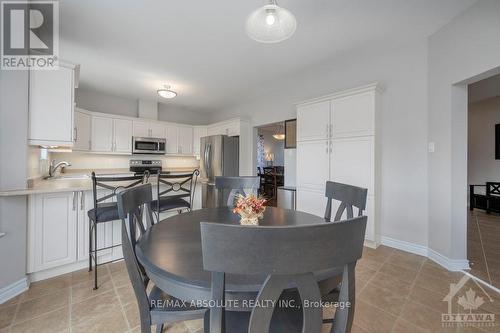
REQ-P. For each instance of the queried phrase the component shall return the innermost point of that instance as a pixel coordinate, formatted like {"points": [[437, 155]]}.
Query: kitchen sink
{"points": [[70, 177]]}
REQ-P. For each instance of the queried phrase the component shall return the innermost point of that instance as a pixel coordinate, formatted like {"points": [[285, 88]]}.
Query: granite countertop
{"points": [[73, 181]]}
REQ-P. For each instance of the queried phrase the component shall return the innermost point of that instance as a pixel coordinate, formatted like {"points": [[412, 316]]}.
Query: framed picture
{"points": [[291, 133]]}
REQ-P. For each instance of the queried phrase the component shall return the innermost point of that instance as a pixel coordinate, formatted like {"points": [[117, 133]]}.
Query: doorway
{"points": [[483, 177]]}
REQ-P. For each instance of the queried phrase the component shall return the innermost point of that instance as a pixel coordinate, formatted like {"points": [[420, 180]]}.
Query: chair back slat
{"points": [[349, 196], [492, 188], [113, 184], [288, 256], [182, 184], [229, 187], [132, 204]]}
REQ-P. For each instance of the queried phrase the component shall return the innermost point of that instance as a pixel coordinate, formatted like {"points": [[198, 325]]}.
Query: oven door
{"points": [[147, 146]]}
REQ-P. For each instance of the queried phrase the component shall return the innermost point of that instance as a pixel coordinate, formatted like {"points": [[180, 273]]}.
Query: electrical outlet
{"points": [[432, 147]]}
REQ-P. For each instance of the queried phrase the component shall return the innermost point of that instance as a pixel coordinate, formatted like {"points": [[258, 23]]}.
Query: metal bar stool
{"points": [[106, 212], [182, 185]]}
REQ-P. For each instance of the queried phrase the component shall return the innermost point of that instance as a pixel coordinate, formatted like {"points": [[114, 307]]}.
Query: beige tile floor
{"points": [[483, 245], [396, 292]]}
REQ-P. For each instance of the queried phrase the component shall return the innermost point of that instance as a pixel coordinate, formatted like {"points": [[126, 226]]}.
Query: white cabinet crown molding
{"points": [[374, 86]]}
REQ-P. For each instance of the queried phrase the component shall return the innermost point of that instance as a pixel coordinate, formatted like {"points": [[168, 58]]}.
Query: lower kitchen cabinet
{"points": [[58, 233], [52, 230]]}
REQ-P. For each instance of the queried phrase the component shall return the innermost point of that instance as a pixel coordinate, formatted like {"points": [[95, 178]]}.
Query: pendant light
{"points": [[166, 92], [271, 24], [280, 133]]}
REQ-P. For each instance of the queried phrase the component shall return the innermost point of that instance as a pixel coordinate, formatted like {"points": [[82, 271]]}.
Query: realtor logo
{"points": [[30, 34], [468, 312]]}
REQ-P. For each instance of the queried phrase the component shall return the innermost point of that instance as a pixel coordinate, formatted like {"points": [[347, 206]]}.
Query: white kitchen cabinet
{"points": [[141, 129], [313, 166], [311, 201], [51, 106], [229, 128], [82, 131], [338, 141], [185, 140], [52, 230], [149, 129], [172, 136], [102, 134], [313, 121], [198, 133], [122, 135], [157, 130], [354, 115]]}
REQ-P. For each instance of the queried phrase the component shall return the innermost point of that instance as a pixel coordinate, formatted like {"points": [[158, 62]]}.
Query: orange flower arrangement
{"points": [[250, 208]]}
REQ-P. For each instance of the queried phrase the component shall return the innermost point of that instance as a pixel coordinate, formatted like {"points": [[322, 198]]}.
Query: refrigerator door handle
{"points": [[208, 148]]}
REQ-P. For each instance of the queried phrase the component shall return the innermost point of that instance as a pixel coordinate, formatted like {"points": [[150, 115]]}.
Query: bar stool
{"points": [[106, 211], [177, 192]]}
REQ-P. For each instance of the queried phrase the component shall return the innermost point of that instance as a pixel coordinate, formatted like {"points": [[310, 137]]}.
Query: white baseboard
{"points": [[13, 290], [450, 264]]}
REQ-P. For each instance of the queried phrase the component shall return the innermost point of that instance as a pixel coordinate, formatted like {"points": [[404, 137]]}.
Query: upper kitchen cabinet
{"points": [[172, 136], [198, 133], [313, 121], [102, 134], [186, 140], [51, 106], [111, 135], [122, 135], [149, 129], [82, 131], [229, 128]]}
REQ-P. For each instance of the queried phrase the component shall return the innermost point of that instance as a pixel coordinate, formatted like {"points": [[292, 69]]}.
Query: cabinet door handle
{"points": [[82, 200], [74, 200], [76, 135]]}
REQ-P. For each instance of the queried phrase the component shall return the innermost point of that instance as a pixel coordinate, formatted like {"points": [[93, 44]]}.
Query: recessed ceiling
{"points": [[131, 48]]}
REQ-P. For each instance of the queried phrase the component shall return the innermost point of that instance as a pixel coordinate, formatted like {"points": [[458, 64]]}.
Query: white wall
{"points": [[482, 165], [402, 70], [13, 170], [101, 102], [461, 50]]}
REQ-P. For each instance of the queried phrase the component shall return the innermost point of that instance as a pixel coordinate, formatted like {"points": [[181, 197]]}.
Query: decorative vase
{"points": [[249, 220]]}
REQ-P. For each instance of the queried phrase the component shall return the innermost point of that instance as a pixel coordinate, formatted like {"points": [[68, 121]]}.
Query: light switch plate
{"points": [[432, 147]]}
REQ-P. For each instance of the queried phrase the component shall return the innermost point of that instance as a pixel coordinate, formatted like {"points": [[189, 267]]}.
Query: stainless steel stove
{"points": [[141, 166]]}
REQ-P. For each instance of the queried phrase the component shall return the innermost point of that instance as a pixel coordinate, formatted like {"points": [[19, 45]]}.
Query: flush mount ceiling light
{"points": [[271, 24], [166, 92]]}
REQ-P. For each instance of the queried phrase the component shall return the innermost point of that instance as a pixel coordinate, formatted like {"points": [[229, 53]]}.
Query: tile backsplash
{"points": [[104, 161]]}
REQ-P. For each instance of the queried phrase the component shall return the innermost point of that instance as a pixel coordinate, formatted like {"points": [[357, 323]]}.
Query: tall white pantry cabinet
{"points": [[338, 140]]}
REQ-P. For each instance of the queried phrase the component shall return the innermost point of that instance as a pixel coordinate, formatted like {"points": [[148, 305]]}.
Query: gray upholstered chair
{"points": [[229, 187], [287, 257], [349, 196], [155, 308]]}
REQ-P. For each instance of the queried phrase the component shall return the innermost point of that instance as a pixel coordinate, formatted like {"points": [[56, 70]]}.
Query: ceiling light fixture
{"points": [[280, 133], [271, 24], [166, 92]]}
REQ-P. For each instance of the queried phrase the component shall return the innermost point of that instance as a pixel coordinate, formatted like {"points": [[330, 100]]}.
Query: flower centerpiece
{"points": [[250, 208]]}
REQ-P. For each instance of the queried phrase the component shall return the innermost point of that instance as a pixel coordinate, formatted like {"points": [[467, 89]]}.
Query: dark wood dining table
{"points": [[171, 254]]}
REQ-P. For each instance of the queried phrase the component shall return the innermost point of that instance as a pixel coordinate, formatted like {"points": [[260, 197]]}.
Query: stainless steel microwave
{"points": [[148, 145]]}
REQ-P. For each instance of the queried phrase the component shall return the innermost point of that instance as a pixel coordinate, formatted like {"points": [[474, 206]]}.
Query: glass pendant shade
{"points": [[271, 24]]}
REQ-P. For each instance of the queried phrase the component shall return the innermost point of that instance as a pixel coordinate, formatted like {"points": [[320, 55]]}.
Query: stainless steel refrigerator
{"points": [[219, 157]]}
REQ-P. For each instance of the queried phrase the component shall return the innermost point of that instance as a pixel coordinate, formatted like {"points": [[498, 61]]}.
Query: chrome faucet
{"points": [[53, 167]]}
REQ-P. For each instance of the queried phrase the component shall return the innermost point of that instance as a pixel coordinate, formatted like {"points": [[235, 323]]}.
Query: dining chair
{"points": [[175, 192], [349, 196], [288, 257], [229, 187], [155, 307], [105, 210]]}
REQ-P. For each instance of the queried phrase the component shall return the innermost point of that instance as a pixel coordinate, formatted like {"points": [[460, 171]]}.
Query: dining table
{"points": [[171, 253]]}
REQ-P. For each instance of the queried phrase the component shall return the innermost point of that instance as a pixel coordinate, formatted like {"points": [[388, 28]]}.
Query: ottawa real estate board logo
{"points": [[467, 300], [29, 35]]}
